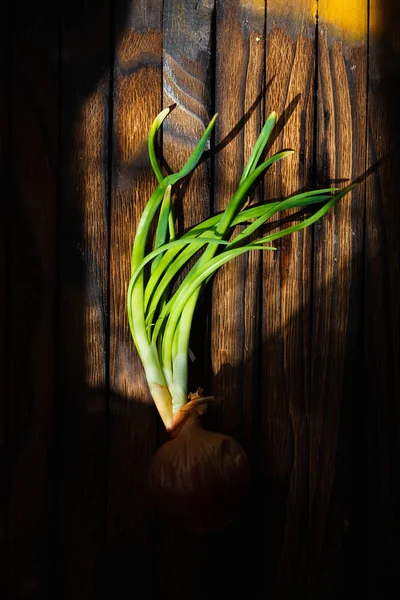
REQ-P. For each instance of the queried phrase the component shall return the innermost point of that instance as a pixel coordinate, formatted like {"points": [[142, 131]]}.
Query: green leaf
{"points": [[171, 225], [236, 202], [307, 222], [162, 226], [175, 243], [138, 326], [189, 286], [151, 142], [259, 146], [300, 200], [196, 154]]}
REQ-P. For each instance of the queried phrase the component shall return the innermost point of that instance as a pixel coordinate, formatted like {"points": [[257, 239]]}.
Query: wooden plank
{"points": [[290, 64], [188, 82], [5, 76], [382, 277], [133, 417], [239, 81], [234, 99], [32, 280], [336, 363], [83, 310]]}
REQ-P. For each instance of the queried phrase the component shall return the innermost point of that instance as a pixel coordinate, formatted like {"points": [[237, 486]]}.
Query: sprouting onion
{"points": [[160, 319]]}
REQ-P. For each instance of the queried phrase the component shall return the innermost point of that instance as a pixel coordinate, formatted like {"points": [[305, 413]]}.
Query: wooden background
{"points": [[302, 344]]}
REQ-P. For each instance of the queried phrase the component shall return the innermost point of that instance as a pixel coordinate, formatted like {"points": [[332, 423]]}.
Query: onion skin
{"points": [[199, 477]]}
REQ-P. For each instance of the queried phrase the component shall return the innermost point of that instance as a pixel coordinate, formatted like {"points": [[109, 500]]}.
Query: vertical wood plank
{"points": [[337, 313], [83, 310], [133, 417], [188, 82], [239, 82], [234, 96], [5, 76], [382, 277], [290, 63], [32, 277]]}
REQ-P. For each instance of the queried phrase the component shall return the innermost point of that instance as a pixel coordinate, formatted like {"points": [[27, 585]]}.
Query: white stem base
{"points": [[162, 399]]}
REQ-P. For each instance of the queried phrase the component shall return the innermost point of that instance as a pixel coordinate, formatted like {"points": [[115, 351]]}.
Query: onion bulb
{"points": [[198, 477]]}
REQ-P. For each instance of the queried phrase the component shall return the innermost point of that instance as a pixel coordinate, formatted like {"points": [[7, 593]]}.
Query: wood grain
{"points": [[83, 308], [382, 276], [234, 136], [337, 307], [290, 63], [188, 82], [32, 279], [133, 417], [239, 82]]}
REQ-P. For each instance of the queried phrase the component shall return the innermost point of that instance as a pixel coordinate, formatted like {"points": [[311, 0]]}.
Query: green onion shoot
{"points": [[205, 492]]}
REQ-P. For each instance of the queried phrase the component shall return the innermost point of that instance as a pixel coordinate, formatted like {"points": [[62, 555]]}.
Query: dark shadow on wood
{"points": [[381, 526], [264, 518], [35, 560]]}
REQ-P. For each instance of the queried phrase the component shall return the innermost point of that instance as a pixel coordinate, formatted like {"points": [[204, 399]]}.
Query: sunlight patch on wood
{"points": [[348, 17]]}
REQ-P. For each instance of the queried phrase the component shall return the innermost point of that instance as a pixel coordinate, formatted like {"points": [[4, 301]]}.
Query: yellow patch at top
{"points": [[348, 16], [283, 8]]}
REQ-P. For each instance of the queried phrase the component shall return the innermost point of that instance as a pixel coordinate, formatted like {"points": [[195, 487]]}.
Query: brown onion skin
{"points": [[199, 477]]}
